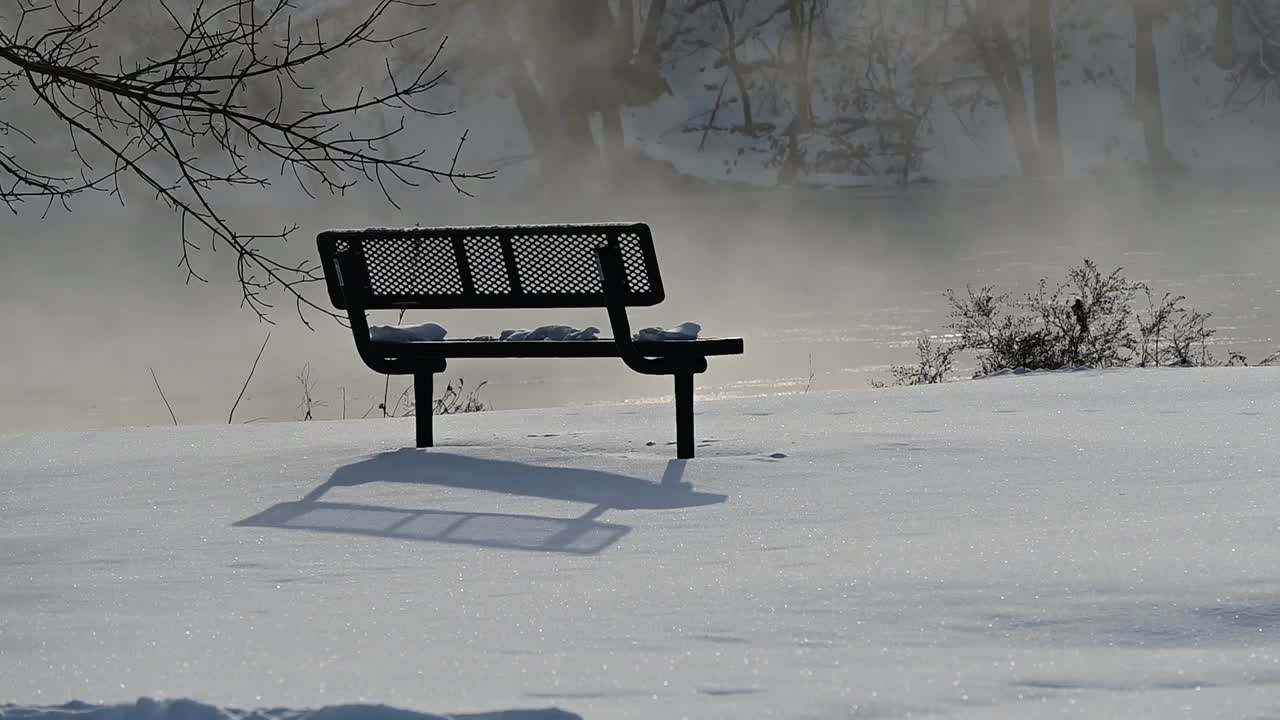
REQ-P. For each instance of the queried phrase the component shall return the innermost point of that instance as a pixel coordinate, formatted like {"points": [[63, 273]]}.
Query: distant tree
{"points": [[803, 17], [820, 87], [997, 55], [1004, 39], [1044, 80], [567, 60], [1247, 45], [1225, 50], [637, 64], [198, 99], [728, 50], [1148, 99]]}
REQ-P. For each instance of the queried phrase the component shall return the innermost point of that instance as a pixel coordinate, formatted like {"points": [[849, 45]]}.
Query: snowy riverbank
{"points": [[1093, 544]]}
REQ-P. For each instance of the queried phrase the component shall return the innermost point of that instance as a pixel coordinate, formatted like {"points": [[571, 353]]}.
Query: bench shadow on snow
{"points": [[1121, 621], [582, 535], [184, 709]]}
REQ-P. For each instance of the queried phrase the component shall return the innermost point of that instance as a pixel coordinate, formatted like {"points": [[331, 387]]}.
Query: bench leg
{"points": [[422, 407], [684, 415]]}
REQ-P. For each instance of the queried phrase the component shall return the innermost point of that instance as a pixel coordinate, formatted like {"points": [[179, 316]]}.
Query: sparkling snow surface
{"points": [[1088, 544]]}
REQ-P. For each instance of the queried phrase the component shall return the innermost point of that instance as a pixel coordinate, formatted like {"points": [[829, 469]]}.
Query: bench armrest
{"points": [[614, 279], [354, 298]]}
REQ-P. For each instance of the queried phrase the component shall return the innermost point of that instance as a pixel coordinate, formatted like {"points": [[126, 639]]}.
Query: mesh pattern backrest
{"points": [[530, 266]]}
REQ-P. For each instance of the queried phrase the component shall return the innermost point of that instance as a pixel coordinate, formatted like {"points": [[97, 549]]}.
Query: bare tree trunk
{"points": [[731, 57], [802, 14], [533, 111], [1147, 96], [995, 52], [572, 46], [1225, 50], [573, 59], [1045, 82], [1014, 98], [802, 22], [627, 24], [546, 140], [613, 143], [647, 45]]}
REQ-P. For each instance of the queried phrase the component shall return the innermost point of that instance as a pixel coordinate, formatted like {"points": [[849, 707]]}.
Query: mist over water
{"points": [[839, 283], [829, 287]]}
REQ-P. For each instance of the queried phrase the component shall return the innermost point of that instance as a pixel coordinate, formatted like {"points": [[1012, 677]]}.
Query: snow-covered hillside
{"points": [[1095, 544]]}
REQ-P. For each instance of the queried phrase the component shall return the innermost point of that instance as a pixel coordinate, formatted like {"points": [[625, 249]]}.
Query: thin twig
{"points": [[232, 414], [386, 391], [715, 109], [162, 397], [400, 400]]}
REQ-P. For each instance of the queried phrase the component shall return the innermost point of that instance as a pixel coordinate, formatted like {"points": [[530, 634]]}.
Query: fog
{"points": [[828, 286], [838, 283]]}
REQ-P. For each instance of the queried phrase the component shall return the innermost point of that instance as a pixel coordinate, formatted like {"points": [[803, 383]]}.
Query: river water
{"points": [[828, 287]]}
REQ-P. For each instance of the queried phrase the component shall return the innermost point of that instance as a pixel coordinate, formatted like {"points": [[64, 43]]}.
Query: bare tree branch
{"points": [[220, 90]]}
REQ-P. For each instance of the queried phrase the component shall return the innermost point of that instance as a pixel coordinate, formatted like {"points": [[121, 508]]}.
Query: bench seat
{"points": [[598, 348]]}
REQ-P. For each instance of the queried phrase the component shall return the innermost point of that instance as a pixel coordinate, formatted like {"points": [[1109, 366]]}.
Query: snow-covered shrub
{"points": [[1087, 320]]}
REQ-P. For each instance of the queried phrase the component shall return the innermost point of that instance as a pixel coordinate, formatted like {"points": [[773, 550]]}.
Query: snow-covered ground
{"points": [[1091, 544]]}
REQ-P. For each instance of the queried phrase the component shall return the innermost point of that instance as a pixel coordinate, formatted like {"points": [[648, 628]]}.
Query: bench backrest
{"points": [[515, 266]]}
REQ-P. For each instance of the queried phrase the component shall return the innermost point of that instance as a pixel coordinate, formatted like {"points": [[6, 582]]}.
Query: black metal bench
{"points": [[610, 266]]}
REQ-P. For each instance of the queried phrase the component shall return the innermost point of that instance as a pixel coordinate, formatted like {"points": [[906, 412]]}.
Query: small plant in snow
{"points": [[1239, 360], [933, 367], [454, 401], [308, 404], [1173, 334]]}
